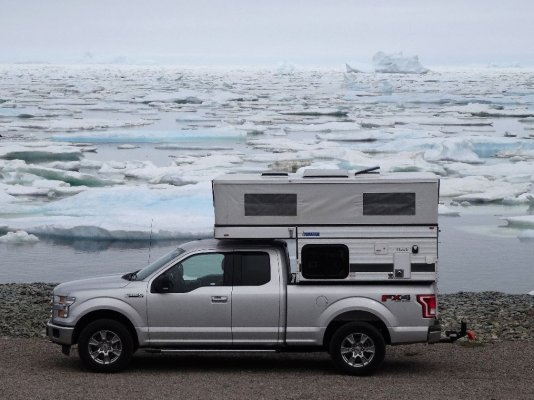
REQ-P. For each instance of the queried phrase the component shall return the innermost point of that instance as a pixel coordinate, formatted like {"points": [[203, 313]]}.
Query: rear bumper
{"points": [[416, 334], [59, 334], [434, 333]]}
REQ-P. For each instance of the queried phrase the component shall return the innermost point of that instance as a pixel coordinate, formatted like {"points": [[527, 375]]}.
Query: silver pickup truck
{"points": [[227, 295]]}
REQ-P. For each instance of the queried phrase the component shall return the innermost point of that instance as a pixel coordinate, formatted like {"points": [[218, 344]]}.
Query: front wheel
{"points": [[357, 348], [105, 345]]}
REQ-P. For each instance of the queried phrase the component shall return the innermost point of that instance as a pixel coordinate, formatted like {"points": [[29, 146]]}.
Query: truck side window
{"points": [[252, 269], [325, 261], [200, 270]]}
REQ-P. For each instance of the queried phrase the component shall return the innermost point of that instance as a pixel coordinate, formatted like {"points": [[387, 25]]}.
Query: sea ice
{"points": [[212, 121], [398, 64], [124, 212]]}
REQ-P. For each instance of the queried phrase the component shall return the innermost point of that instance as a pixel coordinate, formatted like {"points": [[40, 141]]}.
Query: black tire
{"points": [[357, 348], [105, 345]]}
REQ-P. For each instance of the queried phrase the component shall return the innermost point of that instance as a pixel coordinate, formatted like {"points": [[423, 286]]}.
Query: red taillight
{"points": [[428, 301]]}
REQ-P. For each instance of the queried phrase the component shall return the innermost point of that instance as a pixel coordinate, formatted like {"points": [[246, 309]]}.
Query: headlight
{"points": [[61, 305]]}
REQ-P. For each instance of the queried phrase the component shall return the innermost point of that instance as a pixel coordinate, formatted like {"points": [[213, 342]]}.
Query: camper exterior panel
{"points": [[367, 264]]}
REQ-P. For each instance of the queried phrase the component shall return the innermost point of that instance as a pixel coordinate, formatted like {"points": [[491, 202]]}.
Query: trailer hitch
{"points": [[453, 336]]}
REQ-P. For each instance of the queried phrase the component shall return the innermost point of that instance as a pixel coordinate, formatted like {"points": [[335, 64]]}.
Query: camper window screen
{"points": [[270, 204], [389, 204], [325, 261]]}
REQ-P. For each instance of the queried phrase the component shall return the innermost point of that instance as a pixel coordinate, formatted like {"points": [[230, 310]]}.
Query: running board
{"points": [[157, 351]]}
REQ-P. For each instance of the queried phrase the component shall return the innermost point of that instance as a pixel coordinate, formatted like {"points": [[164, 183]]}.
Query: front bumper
{"points": [[59, 334]]}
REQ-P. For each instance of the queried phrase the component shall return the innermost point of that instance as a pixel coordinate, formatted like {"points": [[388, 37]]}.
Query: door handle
{"points": [[219, 299]]}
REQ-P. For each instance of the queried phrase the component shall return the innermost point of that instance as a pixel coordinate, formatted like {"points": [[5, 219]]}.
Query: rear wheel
{"points": [[357, 348], [105, 345]]}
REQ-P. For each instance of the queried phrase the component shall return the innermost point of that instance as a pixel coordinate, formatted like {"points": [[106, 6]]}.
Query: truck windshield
{"points": [[160, 262]]}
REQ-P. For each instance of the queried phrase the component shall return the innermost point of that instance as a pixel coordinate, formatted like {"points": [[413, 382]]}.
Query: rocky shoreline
{"points": [[493, 316]]}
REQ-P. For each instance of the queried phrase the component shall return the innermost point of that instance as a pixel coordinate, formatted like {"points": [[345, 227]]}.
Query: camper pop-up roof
{"points": [[325, 197]]}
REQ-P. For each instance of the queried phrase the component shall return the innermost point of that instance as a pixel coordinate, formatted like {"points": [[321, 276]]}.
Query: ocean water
{"points": [[474, 255], [96, 160]]}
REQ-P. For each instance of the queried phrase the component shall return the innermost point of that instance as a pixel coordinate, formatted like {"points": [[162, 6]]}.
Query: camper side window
{"points": [[270, 204], [325, 261], [389, 204]]}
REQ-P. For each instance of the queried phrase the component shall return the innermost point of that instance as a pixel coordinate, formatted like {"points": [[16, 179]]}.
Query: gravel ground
{"points": [[24, 310], [497, 366], [36, 369]]}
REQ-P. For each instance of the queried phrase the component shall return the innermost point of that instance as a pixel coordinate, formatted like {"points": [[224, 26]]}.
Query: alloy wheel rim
{"points": [[357, 349], [105, 347]]}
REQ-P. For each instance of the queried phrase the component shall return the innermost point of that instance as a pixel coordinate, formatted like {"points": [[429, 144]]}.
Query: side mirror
{"points": [[162, 284]]}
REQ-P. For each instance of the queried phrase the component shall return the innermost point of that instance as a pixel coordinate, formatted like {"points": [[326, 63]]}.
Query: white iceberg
{"points": [[397, 63], [18, 237]]}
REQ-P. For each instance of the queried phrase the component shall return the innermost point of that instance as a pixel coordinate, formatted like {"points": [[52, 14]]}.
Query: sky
{"points": [[254, 32]]}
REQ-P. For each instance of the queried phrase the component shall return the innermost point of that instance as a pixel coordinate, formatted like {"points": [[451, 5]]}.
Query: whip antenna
{"points": [[150, 241]]}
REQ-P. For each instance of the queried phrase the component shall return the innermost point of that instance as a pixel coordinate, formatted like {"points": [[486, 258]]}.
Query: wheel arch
{"points": [[355, 316], [105, 314]]}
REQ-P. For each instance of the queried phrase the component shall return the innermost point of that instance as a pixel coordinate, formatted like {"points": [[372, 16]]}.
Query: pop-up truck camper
{"points": [[383, 227], [327, 260]]}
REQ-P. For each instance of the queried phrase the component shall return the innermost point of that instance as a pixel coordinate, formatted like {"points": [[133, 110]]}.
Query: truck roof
{"points": [[226, 244]]}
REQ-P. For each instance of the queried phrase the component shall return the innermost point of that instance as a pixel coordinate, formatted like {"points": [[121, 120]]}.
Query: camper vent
{"points": [[325, 173], [274, 173]]}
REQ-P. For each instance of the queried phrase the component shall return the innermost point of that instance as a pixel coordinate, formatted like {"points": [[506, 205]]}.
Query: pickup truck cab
{"points": [[235, 296]]}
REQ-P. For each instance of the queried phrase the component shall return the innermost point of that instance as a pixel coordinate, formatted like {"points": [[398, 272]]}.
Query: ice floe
{"points": [[523, 221], [150, 136], [42, 152], [446, 211]]}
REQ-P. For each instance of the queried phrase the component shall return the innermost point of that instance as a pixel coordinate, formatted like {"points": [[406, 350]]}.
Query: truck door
{"points": [[196, 308], [256, 298]]}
